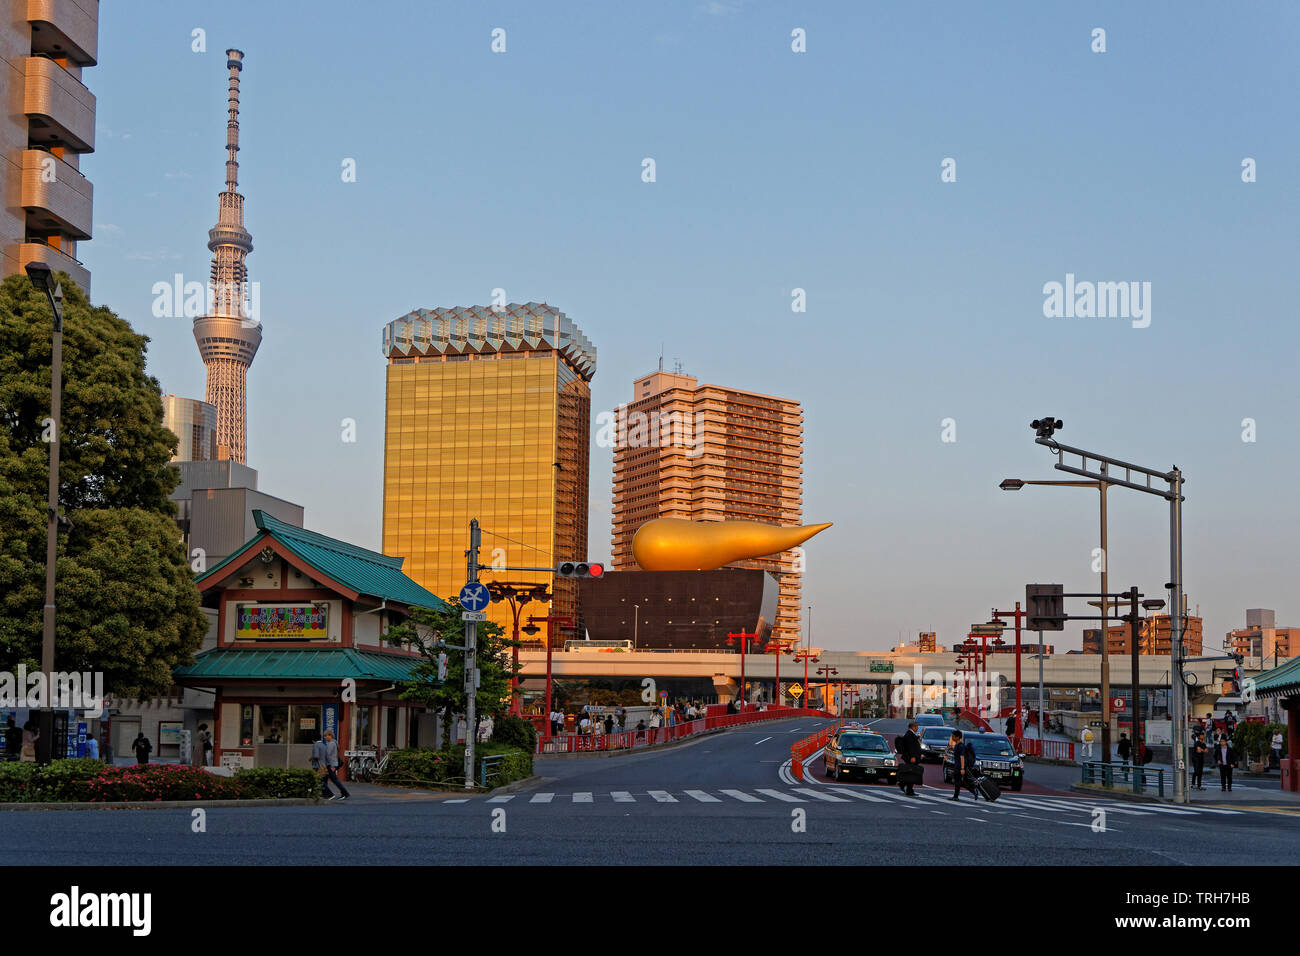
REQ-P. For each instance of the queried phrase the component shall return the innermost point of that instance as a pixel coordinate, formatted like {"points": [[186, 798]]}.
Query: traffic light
{"points": [[1045, 605], [579, 569]]}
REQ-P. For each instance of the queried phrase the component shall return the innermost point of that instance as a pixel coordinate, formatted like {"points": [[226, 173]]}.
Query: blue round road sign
{"points": [[474, 597]]}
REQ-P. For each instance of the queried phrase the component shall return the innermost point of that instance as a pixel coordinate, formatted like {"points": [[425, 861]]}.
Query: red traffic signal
{"points": [[579, 569]]}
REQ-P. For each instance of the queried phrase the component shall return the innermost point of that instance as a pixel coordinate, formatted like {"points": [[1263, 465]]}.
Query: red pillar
{"points": [[1291, 764]]}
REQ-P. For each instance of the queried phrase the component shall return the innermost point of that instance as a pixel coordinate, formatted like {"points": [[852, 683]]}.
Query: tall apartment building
{"points": [[709, 453], [49, 121], [1262, 638], [488, 416], [1153, 637]]}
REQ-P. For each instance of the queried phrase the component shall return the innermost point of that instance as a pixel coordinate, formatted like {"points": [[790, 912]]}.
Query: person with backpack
{"points": [[963, 771], [1125, 750]]}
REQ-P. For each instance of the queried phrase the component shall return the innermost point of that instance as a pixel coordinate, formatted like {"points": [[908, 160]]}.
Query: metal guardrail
{"points": [[489, 767], [650, 736], [1137, 778]]}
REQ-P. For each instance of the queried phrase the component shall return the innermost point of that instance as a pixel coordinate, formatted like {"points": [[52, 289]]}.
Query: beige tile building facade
{"points": [[48, 123], [709, 453]]}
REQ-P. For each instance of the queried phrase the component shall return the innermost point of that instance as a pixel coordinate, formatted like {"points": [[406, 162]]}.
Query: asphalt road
{"points": [[716, 799]]}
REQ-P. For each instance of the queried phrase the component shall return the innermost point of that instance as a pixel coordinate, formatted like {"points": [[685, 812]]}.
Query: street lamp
{"points": [[43, 279], [532, 629], [1015, 484], [742, 637], [1138, 477], [518, 595]]}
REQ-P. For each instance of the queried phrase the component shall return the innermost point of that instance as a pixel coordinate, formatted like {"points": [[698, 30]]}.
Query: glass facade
{"points": [[500, 434], [194, 423]]}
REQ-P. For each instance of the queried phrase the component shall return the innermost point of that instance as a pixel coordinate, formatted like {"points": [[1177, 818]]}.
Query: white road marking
{"points": [[703, 797], [662, 796], [816, 795], [741, 795], [542, 798], [978, 819], [506, 798], [779, 795], [582, 798], [622, 796], [763, 741], [461, 800], [870, 797]]}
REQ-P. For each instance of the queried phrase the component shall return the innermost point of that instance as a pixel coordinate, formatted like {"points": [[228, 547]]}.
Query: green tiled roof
{"points": [[298, 663], [366, 572], [1281, 681]]}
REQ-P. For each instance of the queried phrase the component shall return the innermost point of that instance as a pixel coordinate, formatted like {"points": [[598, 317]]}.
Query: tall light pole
{"points": [[1140, 478], [1015, 484], [42, 278], [530, 630], [518, 595]]}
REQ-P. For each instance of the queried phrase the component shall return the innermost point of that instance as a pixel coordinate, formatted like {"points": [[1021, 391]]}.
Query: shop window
{"points": [[390, 735], [306, 723], [272, 723], [365, 720]]}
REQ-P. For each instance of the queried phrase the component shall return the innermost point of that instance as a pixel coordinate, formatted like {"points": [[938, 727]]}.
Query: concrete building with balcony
{"points": [[710, 453], [1153, 637], [48, 124], [1262, 638]]}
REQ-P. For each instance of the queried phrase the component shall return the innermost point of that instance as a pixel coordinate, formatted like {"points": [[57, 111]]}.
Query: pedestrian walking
{"points": [[27, 749], [13, 740], [1199, 751], [963, 766], [609, 723], [142, 748], [325, 761], [1087, 737], [92, 747], [910, 771], [1225, 757], [1277, 749], [1125, 750], [205, 737]]}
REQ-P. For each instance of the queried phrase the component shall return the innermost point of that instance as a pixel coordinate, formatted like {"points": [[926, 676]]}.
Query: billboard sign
{"points": [[281, 622]]}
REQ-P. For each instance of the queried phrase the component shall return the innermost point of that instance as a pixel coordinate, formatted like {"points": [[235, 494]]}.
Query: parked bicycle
{"points": [[365, 765]]}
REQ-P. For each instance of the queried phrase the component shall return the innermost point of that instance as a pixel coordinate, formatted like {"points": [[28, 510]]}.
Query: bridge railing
{"points": [[1133, 777], [651, 736]]}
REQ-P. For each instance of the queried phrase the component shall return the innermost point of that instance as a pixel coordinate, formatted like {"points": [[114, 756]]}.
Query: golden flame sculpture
{"points": [[672, 544]]}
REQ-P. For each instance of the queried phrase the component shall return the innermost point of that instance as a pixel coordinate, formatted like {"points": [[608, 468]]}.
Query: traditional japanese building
{"points": [[301, 621]]}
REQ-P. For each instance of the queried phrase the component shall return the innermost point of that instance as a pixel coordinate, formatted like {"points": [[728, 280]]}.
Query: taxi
{"points": [[854, 752]]}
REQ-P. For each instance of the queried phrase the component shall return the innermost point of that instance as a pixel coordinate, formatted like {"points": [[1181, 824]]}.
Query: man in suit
{"points": [[1225, 757], [909, 753]]}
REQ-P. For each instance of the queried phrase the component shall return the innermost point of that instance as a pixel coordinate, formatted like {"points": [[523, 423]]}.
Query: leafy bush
{"points": [[1249, 739], [161, 781], [67, 779], [15, 781], [265, 783], [514, 732], [446, 768]]}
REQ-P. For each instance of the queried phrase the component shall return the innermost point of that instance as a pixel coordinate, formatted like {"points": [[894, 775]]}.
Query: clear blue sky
{"points": [[775, 170]]}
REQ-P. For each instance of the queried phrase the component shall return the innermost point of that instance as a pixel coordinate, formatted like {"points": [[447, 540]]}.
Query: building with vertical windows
{"points": [[1153, 637], [710, 453], [488, 416], [194, 423], [1262, 638], [48, 123]]}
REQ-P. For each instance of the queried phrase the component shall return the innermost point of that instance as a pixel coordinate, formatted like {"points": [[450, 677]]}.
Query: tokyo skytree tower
{"points": [[229, 335]]}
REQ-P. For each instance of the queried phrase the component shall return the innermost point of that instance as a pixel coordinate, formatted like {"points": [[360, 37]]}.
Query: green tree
{"points": [[424, 631], [127, 605]]}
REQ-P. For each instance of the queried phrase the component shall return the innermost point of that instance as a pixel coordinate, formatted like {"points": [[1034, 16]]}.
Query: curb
{"points": [[162, 804], [1097, 790]]}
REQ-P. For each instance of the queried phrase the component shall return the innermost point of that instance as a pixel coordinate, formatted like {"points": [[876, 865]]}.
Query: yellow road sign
{"points": [[795, 691]]}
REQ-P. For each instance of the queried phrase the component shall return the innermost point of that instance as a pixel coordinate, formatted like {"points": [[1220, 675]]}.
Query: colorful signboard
{"points": [[282, 622]]}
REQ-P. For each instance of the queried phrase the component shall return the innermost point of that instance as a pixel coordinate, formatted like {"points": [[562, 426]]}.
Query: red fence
{"points": [[1051, 749], [631, 739], [800, 750]]}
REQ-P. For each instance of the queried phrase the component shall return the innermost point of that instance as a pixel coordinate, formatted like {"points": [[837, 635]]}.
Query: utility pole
{"points": [[471, 657]]}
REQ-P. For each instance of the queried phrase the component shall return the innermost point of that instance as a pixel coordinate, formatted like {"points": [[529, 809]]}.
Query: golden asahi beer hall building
{"points": [[301, 621]]}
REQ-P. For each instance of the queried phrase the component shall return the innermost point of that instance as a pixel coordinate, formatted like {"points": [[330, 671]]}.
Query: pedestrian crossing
{"points": [[930, 798]]}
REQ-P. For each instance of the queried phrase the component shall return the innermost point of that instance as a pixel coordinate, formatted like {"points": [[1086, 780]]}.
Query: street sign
{"points": [[795, 691], [1118, 703], [1045, 604], [479, 616], [882, 667], [474, 597]]}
